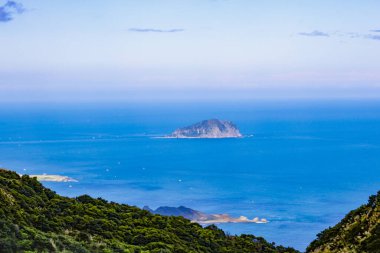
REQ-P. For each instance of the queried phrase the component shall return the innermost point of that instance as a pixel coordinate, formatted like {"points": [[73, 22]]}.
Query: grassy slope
{"points": [[36, 219], [358, 232]]}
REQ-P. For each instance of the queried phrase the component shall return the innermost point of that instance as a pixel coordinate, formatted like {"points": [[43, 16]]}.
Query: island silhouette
{"points": [[211, 128]]}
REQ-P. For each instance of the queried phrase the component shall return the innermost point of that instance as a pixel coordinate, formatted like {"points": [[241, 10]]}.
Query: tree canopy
{"points": [[36, 219]]}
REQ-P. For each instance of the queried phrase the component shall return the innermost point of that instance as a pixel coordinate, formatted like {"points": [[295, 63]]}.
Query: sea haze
{"points": [[306, 166]]}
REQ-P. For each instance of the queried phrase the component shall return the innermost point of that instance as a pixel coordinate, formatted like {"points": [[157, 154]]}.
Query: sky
{"points": [[90, 50]]}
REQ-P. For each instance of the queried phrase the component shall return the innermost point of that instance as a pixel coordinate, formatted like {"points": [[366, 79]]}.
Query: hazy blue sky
{"points": [[162, 49]]}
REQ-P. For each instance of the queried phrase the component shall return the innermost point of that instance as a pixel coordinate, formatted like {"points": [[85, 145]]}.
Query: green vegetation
{"points": [[358, 232], [36, 219]]}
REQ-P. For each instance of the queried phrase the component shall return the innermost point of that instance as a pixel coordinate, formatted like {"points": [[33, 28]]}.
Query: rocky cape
{"points": [[200, 217], [53, 178], [212, 128]]}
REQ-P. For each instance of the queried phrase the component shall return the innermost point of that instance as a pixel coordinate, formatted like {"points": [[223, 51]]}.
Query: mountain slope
{"points": [[358, 232], [35, 219]]}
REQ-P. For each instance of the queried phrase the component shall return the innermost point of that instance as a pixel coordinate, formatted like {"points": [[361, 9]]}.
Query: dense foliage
{"points": [[358, 232], [36, 219]]}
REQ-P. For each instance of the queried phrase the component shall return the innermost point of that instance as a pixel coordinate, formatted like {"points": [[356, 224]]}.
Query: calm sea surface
{"points": [[306, 166]]}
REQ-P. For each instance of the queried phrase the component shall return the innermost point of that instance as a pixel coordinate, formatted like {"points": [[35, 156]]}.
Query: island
{"points": [[212, 128]]}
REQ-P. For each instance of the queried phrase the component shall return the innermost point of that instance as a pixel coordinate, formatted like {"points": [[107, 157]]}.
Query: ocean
{"points": [[307, 165]]}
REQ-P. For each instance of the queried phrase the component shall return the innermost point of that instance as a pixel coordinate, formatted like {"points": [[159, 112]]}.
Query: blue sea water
{"points": [[306, 166]]}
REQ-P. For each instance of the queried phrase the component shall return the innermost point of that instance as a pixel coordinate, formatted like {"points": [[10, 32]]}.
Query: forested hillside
{"points": [[358, 232], [36, 219]]}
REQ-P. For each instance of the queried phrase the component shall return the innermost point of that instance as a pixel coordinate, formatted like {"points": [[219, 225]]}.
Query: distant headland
{"points": [[212, 128], [202, 218]]}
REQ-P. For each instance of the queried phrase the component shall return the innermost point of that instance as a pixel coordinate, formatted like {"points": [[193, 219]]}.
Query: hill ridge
{"points": [[35, 219]]}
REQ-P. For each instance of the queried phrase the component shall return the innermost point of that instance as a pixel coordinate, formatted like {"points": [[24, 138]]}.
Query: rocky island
{"points": [[212, 128]]}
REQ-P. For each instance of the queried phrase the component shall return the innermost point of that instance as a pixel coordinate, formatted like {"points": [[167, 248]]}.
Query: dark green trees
{"points": [[358, 232], [35, 219]]}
